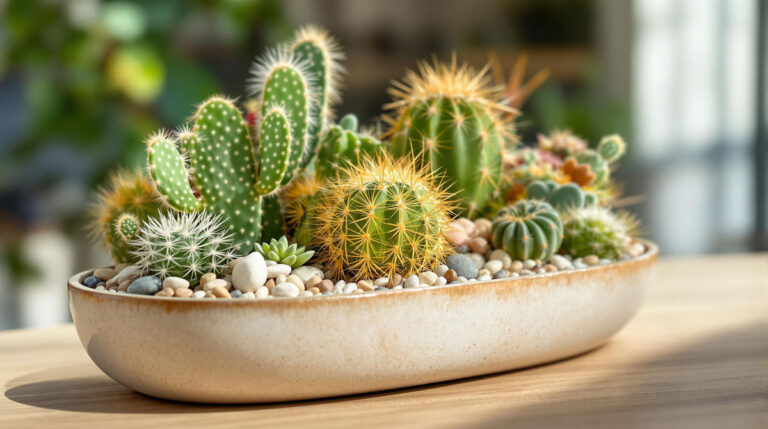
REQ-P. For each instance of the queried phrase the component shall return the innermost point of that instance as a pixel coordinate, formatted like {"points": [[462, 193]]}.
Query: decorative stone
{"points": [[175, 283], [463, 265], [479, 245], [165, 292], [278, 269], [249, 295], [296, 280], [285, 290], [411, 282], [199, 294], [428, 277], [501, 274], [467, 225], [560, 262], [236, 294], [261, 292], [381, 282], [633, 251], [365, 285], [209, 286], [493, 266], [462, 249], [529, 264], [516, 266], [550, 268], [220, 292], [313, 281], [325, 286], [183, 292], [483, 228], [440, 281], [205, 278], [306, 272], [91, 281], [250, 273], [105, 274], [477, 259], [131, 273], [591, 260], [450, 276], [441, 269], [147, 285]]}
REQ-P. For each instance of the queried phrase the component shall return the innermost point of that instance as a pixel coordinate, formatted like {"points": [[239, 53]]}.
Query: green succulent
{"points": [[283, 253]]}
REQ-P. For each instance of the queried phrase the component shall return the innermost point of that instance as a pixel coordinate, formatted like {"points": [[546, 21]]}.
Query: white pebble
{"points": [[278, 269], [175, 283], [529, 264], [428, 277], [605, 261], [500, 255], [199, 294], [442, 269], [306, 272], [494, 266], [249, 273], [484, 278], [381, 282], [441, 281], [461, 279], [560, 262], [285, 289], [340, 283], [100, 288], [251, 295], [349, 288], [540, 271], [112, 290], [477, 259], [270, 262], [261, 292], [398, 287], [306, 293], [412, 282], [512, 275]]}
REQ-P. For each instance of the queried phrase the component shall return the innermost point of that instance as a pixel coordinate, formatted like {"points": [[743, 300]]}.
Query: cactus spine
{"points": [[342, 145], [598, 231], [128, 200], [297, 199], [528, 230], [453, 120], [186, 245], [381, 219]]}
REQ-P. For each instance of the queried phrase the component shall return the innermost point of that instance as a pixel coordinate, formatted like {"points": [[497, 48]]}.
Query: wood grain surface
{"points": [[695, 356]]}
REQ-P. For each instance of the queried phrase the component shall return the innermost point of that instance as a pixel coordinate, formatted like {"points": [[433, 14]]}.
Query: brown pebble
{"points": [[365, 285], [211, 284], [591, 260], [270, 285], [467, 225], [325, 286], [206, 278], [296, 280], [314, 290], [550, 268], [398, 280], [104, 274], [479, 245], [313, 281], [483, 228], [183, 292], [165, 292], [516, 266], [210, 295], [221, 292], [450, 276]]}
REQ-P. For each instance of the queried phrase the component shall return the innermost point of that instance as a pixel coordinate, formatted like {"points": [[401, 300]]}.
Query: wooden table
{"points": [[696, 355]]}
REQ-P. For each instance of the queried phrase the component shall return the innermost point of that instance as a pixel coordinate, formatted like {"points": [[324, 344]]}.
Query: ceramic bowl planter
{"points": [[246, 351]]}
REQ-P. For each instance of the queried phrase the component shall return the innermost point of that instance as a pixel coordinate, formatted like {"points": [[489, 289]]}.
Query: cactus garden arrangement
{"points": [[270, 198]]}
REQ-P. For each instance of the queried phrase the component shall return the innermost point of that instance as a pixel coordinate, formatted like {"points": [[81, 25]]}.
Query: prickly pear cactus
{"points": [[342, 145], [381, 219], [528, 230], [562, 198], [128, 200], [597, 231], [454, 121]]}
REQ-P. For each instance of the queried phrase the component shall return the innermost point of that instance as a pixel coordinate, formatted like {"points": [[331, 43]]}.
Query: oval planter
{"points": [[245, 351]]}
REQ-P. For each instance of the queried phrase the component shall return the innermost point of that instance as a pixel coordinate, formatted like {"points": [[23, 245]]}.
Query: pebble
{"points": [[456, 234], [306, 293], [483, 272], [441, 269], [529, 264], [325, 286], [121, 267], [428, 277], [249, 295], [306, 272], [313, 281], [411, 282], [91, 281], [381, 282], [463, 266], [591, 260], [579, 264], [501, 274], [166, 291], [147, 285], [285, 289], [467, 225], [183, 292], [513, 275], [365, 285], [605, 261], [236, 294], [484, 277], [561, 262], [250, 273], [461, 279], [526, 272], [381, 288], [397, 287], [105, 274], [494, 266], [349, 288], [261, 292], [483, 228], [101, 288], [221, 292], [131, 272], [540, 270], [296, 280], [550, 268], [278, 269], [175, 283], [477, 259], [270, 284], [516, 266], [441, 281], [500, 255], [210, 285], [633, 251], [479, 245], [450, 276], [462, 249], [281, 278], [206, 278], [199, 294]]}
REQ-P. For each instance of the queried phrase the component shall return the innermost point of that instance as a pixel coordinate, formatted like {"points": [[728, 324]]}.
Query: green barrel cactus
{"points": [[562, 198], [597, 231], [220, 151], [283, 253], [609, 150], [381, 219], [341, 145], [120, 209], [185, 245], [453, 120], [528, 229]]}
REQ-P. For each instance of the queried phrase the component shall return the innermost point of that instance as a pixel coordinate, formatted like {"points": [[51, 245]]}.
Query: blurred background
{"points": [[82, 82]]}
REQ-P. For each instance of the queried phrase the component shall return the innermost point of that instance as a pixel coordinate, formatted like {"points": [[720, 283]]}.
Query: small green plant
{"points": [[121, 208], [281, 252], [562, 198], [597, 231], [610, 149], [341, 145], [380, 219], [455, 121], [184, 245], [528, 230]]}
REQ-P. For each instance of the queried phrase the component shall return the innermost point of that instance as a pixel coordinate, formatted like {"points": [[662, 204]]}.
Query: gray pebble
{"points": [[91, 281], [462, 249], [147, 285], [579, 264], [605, 261], [463, 265], [501, 274], [381, 288], [236, 293]]}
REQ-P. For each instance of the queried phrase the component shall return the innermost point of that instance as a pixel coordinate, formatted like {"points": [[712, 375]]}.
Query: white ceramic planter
{"points": [[241, 351]]}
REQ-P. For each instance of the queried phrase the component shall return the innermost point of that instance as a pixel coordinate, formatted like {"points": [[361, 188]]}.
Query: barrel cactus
{"points": [[184, 245], [597, 231], [529, 229], [381, 219], [341, 145], [455, 121], [128, 200], [562, 198]]}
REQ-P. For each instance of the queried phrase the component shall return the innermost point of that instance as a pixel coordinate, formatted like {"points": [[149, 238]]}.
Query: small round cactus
{"points": [[562, 198], [341, 145], [381, 219], [611, 148], [184, 245], [528, 230], [597, 231], [121, 208]]}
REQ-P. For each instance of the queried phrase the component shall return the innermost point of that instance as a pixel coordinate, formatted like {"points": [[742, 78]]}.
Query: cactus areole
{"points": [[453, 120]]}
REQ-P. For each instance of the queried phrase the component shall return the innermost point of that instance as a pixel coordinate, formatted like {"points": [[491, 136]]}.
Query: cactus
{"points": [[597, 231], [221, 153], [280, 252], [455, 121], [323, 56], [128, 200], [562, 198], [184, 245], [528, 230], [610, 149], [380, 219], [341, 145], [562, 143], [297, 199]]}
